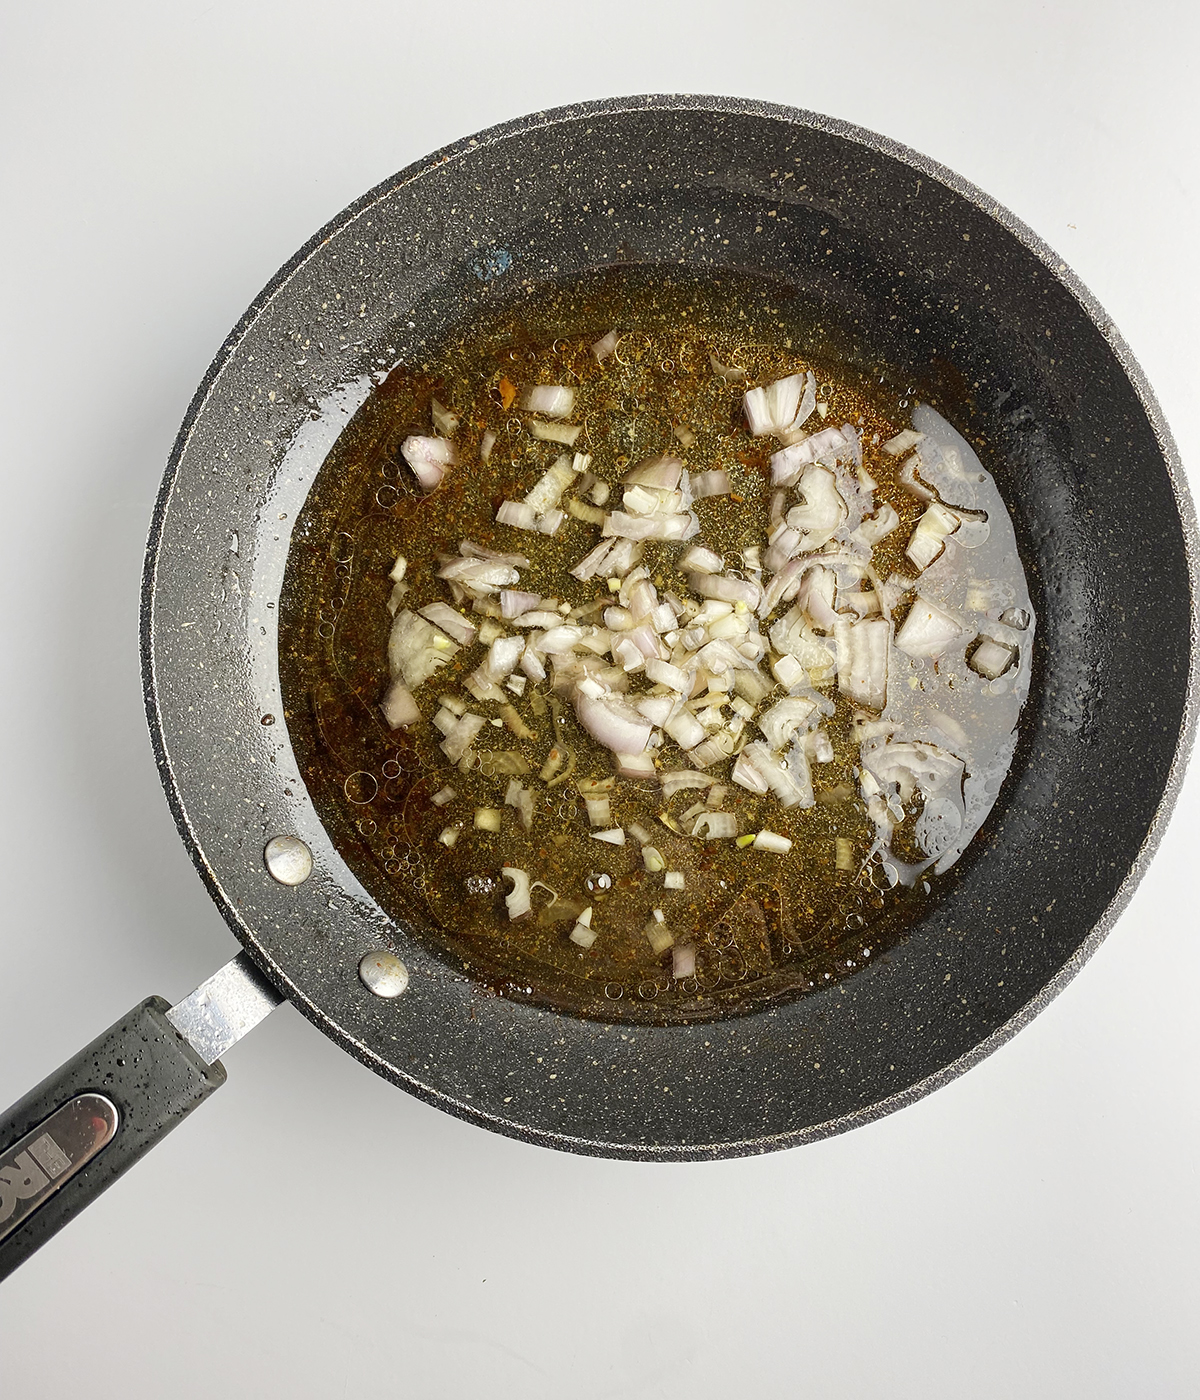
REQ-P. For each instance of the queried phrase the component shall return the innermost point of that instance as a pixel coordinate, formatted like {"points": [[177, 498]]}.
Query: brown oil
{"points": [[765, 927]]}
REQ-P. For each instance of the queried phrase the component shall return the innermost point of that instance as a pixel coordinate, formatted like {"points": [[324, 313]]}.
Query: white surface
{"points": [[1029, 1231]]}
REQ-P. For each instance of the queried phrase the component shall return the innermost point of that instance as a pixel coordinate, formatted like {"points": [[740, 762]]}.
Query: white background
{"points": [[1029, 1231]]}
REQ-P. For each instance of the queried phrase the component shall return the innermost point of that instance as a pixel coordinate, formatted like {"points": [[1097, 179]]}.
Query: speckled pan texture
{"points": [[929, 278]]}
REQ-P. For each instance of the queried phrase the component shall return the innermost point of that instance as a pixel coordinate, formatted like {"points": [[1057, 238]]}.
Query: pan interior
{"points": [[767, 931], [905, 266]]}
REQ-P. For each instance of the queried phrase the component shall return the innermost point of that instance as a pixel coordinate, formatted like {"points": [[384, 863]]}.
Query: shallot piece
{"points": [[398, 706], [903, 442], [700, 560], [517, 901], [450, 621], [551, 400], [583, 933], [547, 493], [716, 826], [565, 433], [823, 512], [430, 459], [713, 483], [518, 514], [929, 538], [662, 473], [732, 374], [826, 447], [927, 630], [445, 420], [503, 656], [776, 408], [604, 347], [613, 723], [416, 649], [683, 961], [862, 661], [991, 658]]}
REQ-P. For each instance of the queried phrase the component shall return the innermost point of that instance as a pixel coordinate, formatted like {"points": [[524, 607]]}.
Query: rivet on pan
{"points": [[288, 860], [383, 973]]}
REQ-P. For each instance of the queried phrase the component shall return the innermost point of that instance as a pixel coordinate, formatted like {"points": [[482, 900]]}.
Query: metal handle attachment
{"points": [[70, 1138]]}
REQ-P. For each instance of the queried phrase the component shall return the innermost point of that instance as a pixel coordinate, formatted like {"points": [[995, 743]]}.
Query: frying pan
{"points": [[926, 277]]}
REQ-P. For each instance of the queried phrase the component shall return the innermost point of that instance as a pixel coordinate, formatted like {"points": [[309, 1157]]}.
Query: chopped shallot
{"points": [[565, 433], [927, 630], [992, 658], [517, 901], [863, 660], [398, 706], [604, 347], [450, 621], [714, 483], [776, 408], [770, 841], [445, 420], [583, 933], [683, 961], [929, 538], [551, 400], [416, 649], [430, 459]]}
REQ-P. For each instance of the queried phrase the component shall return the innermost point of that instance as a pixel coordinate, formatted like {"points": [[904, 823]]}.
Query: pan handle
{"points": [[70, 1138]]}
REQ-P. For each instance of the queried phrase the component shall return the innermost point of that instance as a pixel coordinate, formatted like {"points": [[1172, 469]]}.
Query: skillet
{"points": [[928, 278]]}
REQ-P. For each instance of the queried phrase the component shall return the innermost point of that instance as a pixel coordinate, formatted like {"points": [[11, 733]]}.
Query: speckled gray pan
{"points": [[928, 277]]}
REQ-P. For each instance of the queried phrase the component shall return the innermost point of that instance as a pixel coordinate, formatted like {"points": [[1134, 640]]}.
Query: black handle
{"points": [[72, 1136]]}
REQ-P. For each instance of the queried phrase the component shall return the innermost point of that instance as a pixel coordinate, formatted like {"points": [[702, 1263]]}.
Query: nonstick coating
{"points": [[929, 278]]}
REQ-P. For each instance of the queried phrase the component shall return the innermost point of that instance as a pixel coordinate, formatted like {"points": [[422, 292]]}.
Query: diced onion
{"points": [[430, 459], [927, 630], [700, 560], [552, 400], [450, 621], [517, 901], [713, 483], [604, 347], [683, 961], [770, 841], [565, 433], [992, 658], [929, 538], [716, 826], [398, 706]]}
